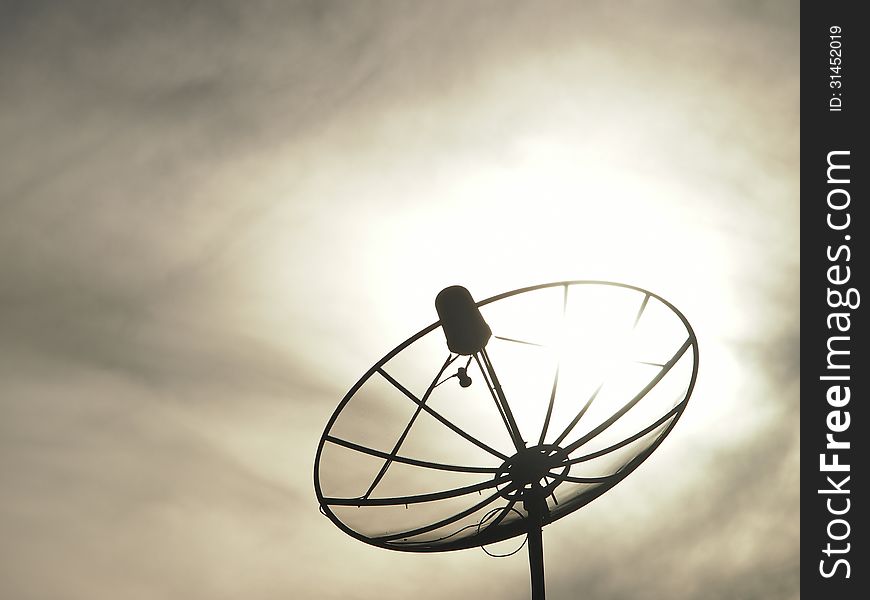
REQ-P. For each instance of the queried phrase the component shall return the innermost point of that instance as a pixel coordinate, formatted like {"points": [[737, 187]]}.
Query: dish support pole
{"points": [[535, 508]]}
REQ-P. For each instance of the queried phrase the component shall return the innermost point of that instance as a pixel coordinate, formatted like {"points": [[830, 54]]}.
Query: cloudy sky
{"points": [[214, 216]]}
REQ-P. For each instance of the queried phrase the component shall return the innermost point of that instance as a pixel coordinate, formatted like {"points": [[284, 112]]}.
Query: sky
{"points": [[215, 216]]}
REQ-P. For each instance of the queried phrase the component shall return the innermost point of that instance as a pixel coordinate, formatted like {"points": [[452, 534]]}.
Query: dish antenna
{"points": [[561, 391]]}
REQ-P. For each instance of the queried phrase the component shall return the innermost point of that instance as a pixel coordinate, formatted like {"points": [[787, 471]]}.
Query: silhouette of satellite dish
{"points": [[505, 416]]}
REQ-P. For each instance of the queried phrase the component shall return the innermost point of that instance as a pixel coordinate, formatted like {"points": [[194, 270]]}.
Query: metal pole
{"points": [[536, 546]]}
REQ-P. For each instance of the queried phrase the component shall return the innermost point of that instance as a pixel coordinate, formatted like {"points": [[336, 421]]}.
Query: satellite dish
{"points": [[505, 416]]}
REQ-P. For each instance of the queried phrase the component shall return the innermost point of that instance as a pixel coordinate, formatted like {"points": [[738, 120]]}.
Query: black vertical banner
{"points": [[835, 369]]}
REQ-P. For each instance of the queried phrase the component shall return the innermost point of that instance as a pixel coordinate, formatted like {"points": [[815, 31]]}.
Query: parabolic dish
{"points": [[596, 375]]}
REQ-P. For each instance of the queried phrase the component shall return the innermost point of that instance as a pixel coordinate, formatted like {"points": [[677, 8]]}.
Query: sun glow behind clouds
{"points": [[550, 215], [548, 207]]}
